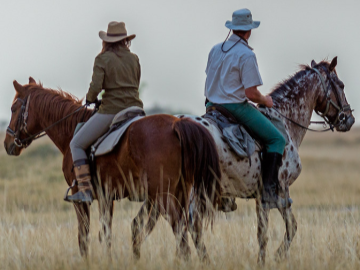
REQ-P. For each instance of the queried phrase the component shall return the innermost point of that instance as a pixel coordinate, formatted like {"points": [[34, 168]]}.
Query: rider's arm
{"points": [[96, 84], [254, 95], [251, 79]]}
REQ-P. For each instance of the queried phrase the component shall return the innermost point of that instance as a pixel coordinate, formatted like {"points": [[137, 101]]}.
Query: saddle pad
{"points": [[239, 140], [236, 136], [112, 139]]}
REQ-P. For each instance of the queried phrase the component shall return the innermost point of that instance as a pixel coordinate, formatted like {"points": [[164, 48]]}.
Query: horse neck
{"points": [[53, 111], [296, 99]]}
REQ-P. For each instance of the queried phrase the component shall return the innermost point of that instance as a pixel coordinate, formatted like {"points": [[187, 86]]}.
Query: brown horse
{"points": [[162, 155]]}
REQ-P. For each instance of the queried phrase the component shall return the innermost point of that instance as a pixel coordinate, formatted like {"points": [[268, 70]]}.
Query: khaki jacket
{"points": [[119, 75]]}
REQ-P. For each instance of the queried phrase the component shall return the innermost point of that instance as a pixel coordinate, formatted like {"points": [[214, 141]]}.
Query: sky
{"points": [[56, 42]]}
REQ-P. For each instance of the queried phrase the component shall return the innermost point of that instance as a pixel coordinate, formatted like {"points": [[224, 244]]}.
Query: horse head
{"points": [[20, 127], [331, 104]]}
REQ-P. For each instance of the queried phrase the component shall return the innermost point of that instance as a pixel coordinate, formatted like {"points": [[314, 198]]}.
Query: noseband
{"points": [[341, 109]]}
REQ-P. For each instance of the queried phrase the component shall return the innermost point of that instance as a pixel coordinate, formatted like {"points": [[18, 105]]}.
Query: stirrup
{"points": [[86, 198], [74, 183]]}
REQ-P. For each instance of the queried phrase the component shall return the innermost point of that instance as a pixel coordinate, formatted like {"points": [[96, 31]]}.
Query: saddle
{"points": [[239, 139], [236, 136], [106, 143]]}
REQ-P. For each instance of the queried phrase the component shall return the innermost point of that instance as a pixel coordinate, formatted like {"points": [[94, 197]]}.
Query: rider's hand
{"points": [[87, 103], [97, 103], [268, 101]]}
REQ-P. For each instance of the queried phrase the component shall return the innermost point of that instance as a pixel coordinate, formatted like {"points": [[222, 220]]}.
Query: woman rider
{"points": [[117, 71], [232, 79]]}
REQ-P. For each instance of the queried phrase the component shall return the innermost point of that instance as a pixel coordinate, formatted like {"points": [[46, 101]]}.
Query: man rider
{"points": [[232, 79]]}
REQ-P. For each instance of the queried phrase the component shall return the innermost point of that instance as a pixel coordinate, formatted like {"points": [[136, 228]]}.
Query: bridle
{"points": [[21, 124], [340, 107]]}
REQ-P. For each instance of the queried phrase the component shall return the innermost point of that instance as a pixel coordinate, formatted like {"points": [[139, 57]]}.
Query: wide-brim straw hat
{"points": [[242, 20], [116, 31]]}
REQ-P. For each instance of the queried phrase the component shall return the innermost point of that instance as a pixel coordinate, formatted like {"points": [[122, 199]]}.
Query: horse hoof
{"points": [[227, 204], [136, 255]]}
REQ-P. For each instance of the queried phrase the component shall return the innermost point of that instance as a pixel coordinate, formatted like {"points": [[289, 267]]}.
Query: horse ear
{"points": [[313, 63], [31, 80], [333, 64], [18, 87]]}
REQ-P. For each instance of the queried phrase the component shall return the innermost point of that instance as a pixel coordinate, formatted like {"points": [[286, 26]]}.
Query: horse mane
{"points": [[283, 88], [60, 103]]}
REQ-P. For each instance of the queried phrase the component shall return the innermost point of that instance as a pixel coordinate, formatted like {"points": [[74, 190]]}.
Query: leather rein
{"points": [[341, 109], [21, 124]]}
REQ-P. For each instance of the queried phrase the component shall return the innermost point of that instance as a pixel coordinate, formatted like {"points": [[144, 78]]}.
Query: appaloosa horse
{"points": [[161, 155], [316, 88]]}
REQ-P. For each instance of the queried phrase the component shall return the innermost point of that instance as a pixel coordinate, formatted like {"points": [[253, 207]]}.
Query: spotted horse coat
{"points": [[295, 98], [239, 178]]}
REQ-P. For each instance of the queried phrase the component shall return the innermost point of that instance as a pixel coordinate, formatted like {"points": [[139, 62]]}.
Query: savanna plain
{"points": [[38, 230]]}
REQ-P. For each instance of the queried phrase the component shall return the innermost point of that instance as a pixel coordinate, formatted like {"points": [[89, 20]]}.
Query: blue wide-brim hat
{"points": [[242, 20]]}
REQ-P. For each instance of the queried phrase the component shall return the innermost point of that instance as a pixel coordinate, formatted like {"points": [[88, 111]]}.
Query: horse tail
{"points": [[200, 163]]}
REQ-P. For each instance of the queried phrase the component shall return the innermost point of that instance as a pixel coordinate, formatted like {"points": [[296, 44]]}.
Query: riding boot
{"points": [[270, 193], [83, 177]]}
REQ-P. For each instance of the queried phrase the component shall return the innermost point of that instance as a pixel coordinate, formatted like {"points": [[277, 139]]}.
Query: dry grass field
{"points": [[38, 230]]}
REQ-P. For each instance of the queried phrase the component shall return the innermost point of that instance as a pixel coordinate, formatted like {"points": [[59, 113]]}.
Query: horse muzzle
{"points": [[12, 150], [346, 124]]}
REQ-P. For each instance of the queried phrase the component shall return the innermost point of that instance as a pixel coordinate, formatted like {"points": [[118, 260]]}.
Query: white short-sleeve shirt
{"points": [[229, 74]]}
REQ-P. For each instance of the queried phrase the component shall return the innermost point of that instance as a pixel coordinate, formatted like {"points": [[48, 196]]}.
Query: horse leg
{"points": [[177, 220], [137, 225], [262, 220], [106, 211], [83, 217], [196, 232], [291, 227]]}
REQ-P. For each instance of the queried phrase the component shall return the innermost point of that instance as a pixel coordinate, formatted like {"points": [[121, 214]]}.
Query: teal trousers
{"points": [[259, 126]]}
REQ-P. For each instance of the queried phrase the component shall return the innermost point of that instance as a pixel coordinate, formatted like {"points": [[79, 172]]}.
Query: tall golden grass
{"points": [[38, 230]]}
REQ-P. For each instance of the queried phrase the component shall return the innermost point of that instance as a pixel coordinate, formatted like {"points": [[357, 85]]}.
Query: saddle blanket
{"points": [[108, 141]]}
